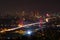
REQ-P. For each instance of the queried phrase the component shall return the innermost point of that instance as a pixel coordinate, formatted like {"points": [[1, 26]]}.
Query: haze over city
{"points": [[13, 6]]}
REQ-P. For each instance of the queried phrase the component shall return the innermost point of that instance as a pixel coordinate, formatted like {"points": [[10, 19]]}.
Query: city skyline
{"points": [[11, 7]]}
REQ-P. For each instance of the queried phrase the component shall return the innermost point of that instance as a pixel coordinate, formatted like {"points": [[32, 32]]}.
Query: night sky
{"points": [[12, 6]]}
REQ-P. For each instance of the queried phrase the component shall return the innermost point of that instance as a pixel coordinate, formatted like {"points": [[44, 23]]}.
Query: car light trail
{"points": [[27, 25]]}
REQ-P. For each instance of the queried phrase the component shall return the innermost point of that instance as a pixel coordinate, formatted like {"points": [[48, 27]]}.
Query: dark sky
{"points": [[11, 6]]}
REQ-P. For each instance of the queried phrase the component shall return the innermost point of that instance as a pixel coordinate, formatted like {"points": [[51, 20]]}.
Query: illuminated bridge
{"points": [[20, 26]]}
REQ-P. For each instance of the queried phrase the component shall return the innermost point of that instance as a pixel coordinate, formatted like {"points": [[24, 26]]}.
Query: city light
{"points": [[30, 20], [47, 15], [47, 19], [29, 32], [20, 25]]}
